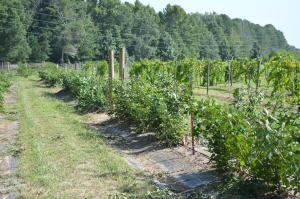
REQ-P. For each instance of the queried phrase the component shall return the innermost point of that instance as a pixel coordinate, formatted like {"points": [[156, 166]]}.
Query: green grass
{"points": [[223, 93], [61, 157]]}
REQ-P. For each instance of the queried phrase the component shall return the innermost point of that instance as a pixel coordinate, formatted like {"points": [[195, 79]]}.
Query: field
{"points": [[124, 100], [246, 126], [247, 132]]}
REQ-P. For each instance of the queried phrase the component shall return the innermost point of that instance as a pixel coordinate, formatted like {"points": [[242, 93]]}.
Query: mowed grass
{"points": [[60, 157], [223, 93]]}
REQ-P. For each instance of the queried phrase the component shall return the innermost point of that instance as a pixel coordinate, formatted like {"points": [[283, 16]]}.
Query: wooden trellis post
{"points": [[122, 64], [257, 73], [111, 76], [192, 117], [207, 78], [230, 73], [94, 70]]}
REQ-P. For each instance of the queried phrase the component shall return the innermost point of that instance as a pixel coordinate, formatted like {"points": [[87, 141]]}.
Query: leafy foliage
{"points": [[51, 73], [5, 82], [153, 106], [251, 141], [256, 138], [88, 90], [13, 43], [24, 70], [74, 30], [284, 75]]}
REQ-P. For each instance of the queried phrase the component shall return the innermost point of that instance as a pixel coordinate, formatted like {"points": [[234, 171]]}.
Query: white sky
{"points": [[284, 15]]}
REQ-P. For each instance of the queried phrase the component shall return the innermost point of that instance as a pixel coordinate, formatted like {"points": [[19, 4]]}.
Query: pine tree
{"points": [[13, 41]]}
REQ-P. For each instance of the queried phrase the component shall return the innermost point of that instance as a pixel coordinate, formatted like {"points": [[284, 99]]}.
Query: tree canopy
{"points": [[78, 30]]}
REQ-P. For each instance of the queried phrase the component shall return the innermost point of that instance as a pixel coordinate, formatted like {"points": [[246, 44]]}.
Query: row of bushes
{"points": [[244, 138], [5, 81], [88, 89], [253, 142], [154, 106], [150, 105], [251, 138], [24, 70]]}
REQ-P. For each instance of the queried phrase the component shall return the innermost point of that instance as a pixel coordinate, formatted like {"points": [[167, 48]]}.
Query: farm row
{"points": [[5, 82], [257, 137]]}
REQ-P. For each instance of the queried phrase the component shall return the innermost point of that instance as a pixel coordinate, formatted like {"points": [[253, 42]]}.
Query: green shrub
{"points": [[24, 71], [97, 68], [5, 82], [153, 106], [51, 73], [88, 90], [71, 82], [254, 144]]}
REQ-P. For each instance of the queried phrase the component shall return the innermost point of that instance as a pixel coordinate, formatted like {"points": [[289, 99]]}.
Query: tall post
{"points": [[111, 76], [175, 76], [192, 118], [94, 70], [297, 87], [122, 64], [293, 83], [257, 73], [207, 78], [230, 72]]}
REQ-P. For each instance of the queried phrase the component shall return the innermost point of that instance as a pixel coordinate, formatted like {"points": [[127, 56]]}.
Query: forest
{"points": [[68, 31]]}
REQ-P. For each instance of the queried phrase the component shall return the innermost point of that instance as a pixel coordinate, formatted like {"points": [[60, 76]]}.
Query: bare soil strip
{"points": [[8, 160], [174, 168]]}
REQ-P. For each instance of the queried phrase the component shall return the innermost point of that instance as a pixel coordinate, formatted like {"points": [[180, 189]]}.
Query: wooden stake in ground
{"points": [[207, 78], [258, 74], [111, 76], [94, 70], [122, 64], [192, 117], [230, 73]]}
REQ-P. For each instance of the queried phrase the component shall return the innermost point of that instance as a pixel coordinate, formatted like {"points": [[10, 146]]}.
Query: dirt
{"points": [[174, 168], [8, 160]]}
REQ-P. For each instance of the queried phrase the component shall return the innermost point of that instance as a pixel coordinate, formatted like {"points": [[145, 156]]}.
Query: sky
{"points": [[283, 14]]}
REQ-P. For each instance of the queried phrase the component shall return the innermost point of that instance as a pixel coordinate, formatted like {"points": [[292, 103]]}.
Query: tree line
{"points": [[78, 30]]}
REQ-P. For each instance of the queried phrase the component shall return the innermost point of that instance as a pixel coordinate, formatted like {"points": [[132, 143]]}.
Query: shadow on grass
{"points": [[62, 95], [43, 84], [124, 135], [67, 97]]}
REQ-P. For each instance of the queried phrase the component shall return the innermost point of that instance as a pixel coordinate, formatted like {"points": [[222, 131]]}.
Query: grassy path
{"points": [[62, 158]]}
